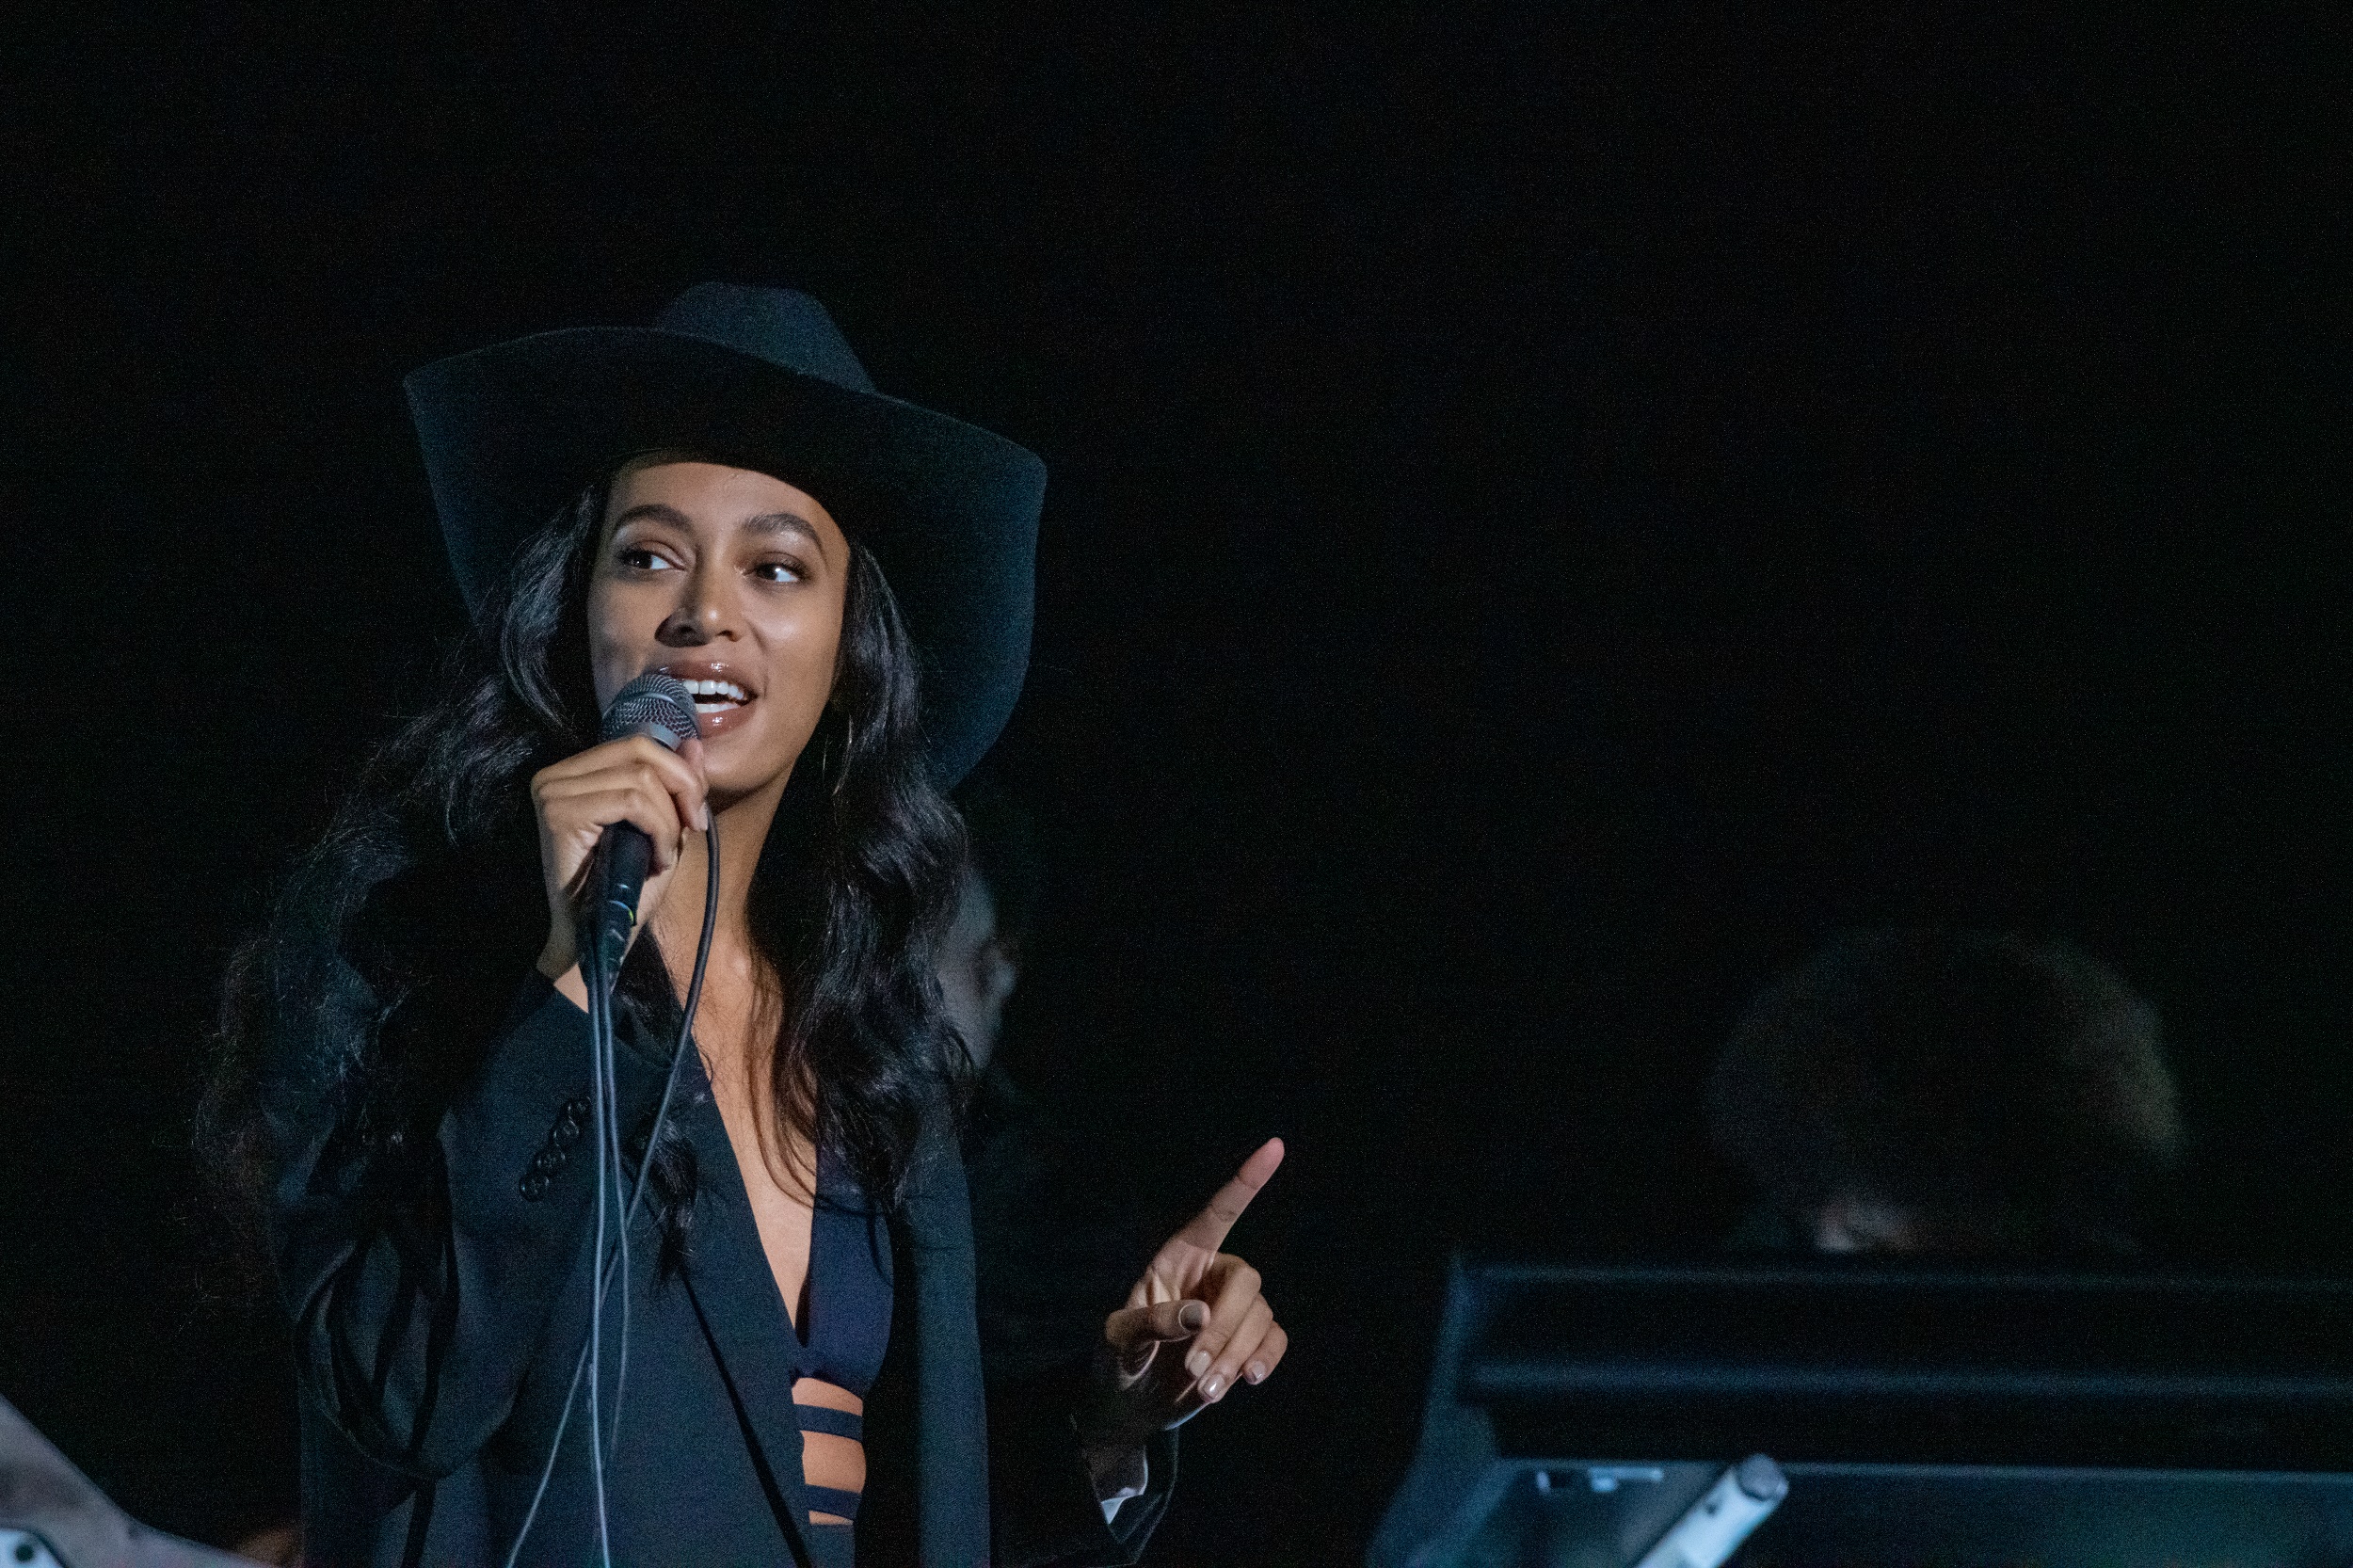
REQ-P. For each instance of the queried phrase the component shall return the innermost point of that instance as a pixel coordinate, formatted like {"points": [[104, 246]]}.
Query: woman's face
{"points": [[732, 581]]}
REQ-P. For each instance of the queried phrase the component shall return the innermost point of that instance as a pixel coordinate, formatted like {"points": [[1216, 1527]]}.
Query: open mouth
{"points": [[721, 702], [716, 696]]}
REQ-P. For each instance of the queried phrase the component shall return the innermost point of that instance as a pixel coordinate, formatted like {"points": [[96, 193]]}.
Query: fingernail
{"points": [[1191, 1316], [1215, 1386], [1255, 1371], [702, 816], [1197, 1363]]}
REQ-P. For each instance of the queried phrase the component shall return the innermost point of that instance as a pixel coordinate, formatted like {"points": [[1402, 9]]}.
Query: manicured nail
{"points": [[1197, 1363], [1255, 1371], [1213, 1388], [702, 816], [1191, 1316]]}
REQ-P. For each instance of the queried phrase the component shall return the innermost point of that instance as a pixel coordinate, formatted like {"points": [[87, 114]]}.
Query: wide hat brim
{"points": [[512, 434]]}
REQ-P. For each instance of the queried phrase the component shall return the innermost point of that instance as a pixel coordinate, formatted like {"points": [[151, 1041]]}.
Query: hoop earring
{"points": [[849, 744]]}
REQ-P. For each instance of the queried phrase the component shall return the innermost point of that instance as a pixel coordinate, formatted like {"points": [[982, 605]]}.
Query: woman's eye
{"points": [[778, 572], [642, 559]]}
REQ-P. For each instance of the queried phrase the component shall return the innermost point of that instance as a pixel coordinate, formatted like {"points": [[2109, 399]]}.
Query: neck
{"points": [[743, 825]]}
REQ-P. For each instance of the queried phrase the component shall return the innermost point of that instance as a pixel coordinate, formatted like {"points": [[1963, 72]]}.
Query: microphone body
{"points": [[656, 706]]}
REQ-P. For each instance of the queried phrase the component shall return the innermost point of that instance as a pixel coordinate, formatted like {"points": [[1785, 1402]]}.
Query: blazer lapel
{"points": [[734, 1294], [926, 1424], [952, 1417]]}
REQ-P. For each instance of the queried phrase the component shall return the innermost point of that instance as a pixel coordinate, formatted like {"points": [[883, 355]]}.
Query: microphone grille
{"points": [[654, 704]]}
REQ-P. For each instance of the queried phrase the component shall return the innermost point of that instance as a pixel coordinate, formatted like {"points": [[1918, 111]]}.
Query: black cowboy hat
{"points": [[513, 433]]}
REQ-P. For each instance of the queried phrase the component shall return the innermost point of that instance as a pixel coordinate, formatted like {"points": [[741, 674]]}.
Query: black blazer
{"points": [[439, 1298]]}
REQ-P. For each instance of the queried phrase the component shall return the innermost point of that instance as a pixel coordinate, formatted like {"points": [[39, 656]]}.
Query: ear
{"points": [[1000, 962]]}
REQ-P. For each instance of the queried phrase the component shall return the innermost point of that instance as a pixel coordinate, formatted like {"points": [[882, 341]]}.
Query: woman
{"points": [[726, 499]]}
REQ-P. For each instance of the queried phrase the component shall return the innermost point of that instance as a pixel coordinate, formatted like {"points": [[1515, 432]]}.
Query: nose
{"points": [[701, 617]]}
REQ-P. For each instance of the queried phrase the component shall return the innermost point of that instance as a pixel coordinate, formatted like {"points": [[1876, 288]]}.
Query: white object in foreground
{"points": [[1713, 1528]]}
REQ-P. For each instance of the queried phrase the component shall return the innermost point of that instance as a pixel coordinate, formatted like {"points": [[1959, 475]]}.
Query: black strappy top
{"points": [[844, 1332]]}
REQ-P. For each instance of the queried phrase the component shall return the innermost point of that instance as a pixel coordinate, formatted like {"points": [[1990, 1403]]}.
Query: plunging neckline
{"points": [[802, 1215], [802, 1335], [826, 1334]]}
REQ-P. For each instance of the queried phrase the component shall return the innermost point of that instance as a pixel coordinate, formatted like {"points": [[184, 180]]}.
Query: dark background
{"points": [[1554, 511]]}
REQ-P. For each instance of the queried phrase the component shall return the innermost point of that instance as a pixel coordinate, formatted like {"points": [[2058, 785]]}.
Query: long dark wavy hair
{"points": [[394, 948]]}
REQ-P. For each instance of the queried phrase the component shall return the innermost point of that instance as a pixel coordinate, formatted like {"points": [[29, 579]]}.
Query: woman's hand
{"points": [[1194, 1327], [634, 781]]}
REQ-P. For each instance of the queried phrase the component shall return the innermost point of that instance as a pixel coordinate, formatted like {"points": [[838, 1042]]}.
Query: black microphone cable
{"points": [[607, 1119]]}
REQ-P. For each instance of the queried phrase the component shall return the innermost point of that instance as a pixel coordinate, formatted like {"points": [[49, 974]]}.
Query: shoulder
{"points": [[386, 974]]}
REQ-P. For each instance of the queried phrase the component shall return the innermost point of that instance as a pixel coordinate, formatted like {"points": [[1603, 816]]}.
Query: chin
{"points": [[738, 782]]}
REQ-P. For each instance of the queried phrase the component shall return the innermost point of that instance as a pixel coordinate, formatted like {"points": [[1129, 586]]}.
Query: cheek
{"points": [[625, 631], [802, 652], [612, 651]]}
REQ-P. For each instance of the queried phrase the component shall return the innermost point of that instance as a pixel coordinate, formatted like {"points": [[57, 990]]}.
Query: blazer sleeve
{"points": [[1049, 1265], [420, 1279], [1043, 1500]]}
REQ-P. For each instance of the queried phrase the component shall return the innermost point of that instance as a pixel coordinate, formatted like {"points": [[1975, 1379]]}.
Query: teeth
{"points": [[716, 692]]}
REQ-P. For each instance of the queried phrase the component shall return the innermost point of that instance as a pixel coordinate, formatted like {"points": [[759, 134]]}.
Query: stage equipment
{"points": [[52, 1517], [1712, 1528], [1920, 1417]]}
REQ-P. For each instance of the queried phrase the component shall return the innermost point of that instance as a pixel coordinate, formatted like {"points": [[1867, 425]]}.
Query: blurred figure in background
{"points": [[980, 959], [1045, 1245], [1961, 1094]]}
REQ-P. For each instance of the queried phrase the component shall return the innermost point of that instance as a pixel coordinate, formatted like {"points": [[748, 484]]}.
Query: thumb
{"points": [[1135, 1328]]}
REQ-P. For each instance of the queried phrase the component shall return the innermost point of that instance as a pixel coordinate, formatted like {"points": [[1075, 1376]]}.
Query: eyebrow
{"points": [[766, 522], [782, 523]]}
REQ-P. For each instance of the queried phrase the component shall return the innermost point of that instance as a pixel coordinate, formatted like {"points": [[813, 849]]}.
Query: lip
{"points": [[714, 719]]}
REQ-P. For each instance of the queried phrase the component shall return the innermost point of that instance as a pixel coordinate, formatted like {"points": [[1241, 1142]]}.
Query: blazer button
{"points": [[565, 1134], [576, 1109], [549, 1162], [533, 1186]]}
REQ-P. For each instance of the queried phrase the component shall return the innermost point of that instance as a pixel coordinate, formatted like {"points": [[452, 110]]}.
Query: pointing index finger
{"points": [[1207, 1229]]}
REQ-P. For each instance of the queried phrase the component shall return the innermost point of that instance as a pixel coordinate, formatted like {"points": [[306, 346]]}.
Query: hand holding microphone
{"points": [[612, 821]]}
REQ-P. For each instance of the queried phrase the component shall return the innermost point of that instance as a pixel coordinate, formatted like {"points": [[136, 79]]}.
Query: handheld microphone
{"points": [[658, 706]]}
